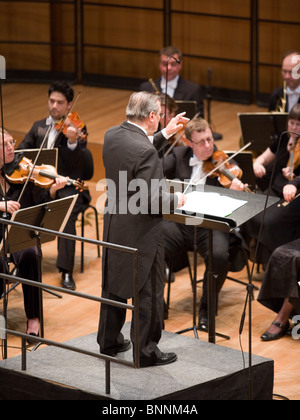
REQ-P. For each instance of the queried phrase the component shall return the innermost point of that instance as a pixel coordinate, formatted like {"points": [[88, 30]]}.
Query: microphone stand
{"points": [[4, 229], [216, 136]]}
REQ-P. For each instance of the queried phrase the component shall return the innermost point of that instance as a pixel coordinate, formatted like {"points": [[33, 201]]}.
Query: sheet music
{"points": [[212, 204]]}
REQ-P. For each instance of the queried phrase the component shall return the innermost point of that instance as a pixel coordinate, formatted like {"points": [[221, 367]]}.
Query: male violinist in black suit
{"points": [[74, 160], [186, 163], [178, 88]]}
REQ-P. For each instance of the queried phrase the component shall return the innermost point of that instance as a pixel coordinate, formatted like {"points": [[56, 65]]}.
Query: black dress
{"points": [[281, 278]]}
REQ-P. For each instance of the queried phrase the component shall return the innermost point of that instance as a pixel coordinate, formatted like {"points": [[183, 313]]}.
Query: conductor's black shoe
{"points": [[68, 281], [113, 351], [164, 359]]}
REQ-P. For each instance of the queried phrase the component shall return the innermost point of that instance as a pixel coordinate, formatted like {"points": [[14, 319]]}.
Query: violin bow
{"points": [[217, 167], [64, 119]]}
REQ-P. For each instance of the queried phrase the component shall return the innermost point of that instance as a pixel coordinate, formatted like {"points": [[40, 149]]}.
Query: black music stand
{"points": [[46, 156], [52, 215], [262, 128], [255, 205], [189, 107]]}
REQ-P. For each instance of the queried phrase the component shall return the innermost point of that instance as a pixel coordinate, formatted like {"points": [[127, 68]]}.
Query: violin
{"points": [[43, 176], [72, 120], [226, 173], [294, 160]]}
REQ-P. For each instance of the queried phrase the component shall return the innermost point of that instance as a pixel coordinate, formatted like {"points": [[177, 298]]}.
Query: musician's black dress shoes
{"points": [[203, 320], [113, 351], [68, 281], [164, 359]]}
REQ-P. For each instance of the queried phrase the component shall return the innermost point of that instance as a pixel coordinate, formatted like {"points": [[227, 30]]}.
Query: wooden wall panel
{"points": [[25, 24], [217, 7], [121, 38]]}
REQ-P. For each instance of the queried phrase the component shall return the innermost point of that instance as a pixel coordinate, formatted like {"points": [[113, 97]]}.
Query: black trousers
{"points": [[151, 296], [179, 239], [66, 247], [27, 263]]}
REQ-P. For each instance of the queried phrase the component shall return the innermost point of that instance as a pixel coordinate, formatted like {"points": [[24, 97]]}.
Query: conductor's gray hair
{"points": [[141, 104]]}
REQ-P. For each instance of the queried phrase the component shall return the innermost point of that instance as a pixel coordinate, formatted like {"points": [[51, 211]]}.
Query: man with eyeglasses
{"points": [[185, 163], [178, 88]]}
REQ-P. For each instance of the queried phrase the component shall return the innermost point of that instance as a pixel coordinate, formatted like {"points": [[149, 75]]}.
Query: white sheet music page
{"points": [[212, 204]]}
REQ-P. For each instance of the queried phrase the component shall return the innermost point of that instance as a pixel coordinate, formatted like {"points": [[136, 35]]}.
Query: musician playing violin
{"points": [[182, 163], [26, 260], [281, 223], [74, 160], [285, 169]]}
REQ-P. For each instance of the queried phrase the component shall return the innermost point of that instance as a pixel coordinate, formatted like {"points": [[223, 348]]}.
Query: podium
{"points": [[255, 204], [53, 216]]}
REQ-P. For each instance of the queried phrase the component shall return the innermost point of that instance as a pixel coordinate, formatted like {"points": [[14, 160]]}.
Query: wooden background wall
{"points": [[115, 43]]}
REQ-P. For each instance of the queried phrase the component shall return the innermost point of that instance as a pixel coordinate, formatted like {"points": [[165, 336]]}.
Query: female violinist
{"points": [[283, 171], [26, 260], [281, 223], [74, 160]]}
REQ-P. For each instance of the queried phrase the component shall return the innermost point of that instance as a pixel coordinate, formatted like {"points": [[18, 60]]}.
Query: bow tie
{"points": [[194, 161], [289, 91]]}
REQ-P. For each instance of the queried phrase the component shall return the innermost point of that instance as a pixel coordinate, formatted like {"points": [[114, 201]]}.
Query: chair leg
{"points": [[82, 234], [82, 244]]}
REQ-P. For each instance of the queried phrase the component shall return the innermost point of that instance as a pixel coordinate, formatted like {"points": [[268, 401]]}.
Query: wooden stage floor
{"points": [[71, 317]]}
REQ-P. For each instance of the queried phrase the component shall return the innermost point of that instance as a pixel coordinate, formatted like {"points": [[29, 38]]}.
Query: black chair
{"points": [[83, 214], [238, 259]]}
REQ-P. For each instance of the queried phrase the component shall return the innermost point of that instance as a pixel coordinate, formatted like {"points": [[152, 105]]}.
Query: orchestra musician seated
{"points": [[280, 289], [26, 260], [280, 224], [283, 98], [178, 88], [187, 163], [74, 160]]}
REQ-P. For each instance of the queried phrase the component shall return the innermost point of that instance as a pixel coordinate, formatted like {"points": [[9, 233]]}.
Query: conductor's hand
{"points": [[176, 124]]}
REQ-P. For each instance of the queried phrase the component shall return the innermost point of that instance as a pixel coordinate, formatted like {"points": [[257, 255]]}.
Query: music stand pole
{"points": [[211, 294]]}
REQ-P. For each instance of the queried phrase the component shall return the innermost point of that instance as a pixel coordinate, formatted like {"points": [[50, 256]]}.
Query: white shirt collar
{"points": [[172, 85], [138, 127], [289, 91]]}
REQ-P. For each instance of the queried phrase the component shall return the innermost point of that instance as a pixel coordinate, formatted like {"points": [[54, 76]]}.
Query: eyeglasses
{"points": [[202, 142]]}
